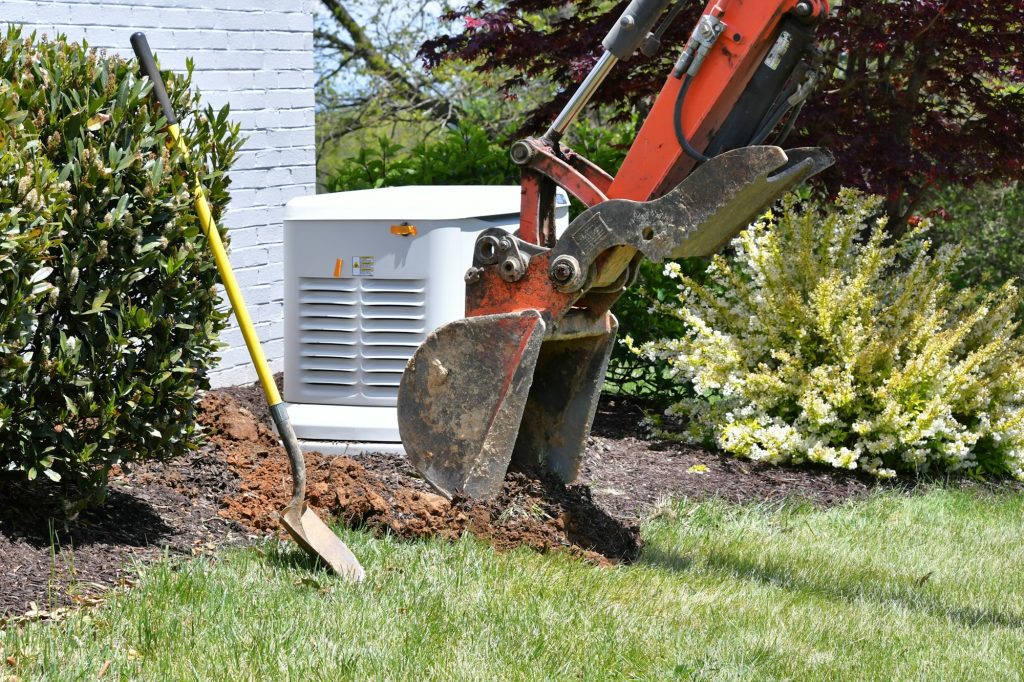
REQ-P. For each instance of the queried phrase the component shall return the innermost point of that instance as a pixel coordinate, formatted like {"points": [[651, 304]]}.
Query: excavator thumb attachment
{"points": [[462, 399], [520, 378]]}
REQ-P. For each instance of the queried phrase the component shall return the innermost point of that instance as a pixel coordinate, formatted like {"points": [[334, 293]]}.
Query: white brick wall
{"points": [[256, 55]]}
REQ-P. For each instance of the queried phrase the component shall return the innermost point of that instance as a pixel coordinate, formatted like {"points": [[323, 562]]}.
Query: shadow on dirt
{"points": [[123, 519]]}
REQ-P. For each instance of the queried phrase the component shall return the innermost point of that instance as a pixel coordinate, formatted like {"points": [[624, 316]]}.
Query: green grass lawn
{"points": [[923, 586]]}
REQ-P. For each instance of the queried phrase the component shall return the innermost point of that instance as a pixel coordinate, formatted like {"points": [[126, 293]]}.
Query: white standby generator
{"points": [[368, 274]]}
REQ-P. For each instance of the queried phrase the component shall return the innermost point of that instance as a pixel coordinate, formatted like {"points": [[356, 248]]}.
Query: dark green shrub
{"points": [[109, 315], [641, 321], [987, 223], [466, 155]]}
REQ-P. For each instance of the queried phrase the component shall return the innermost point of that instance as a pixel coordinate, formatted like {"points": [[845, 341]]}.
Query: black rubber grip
{"points": [[145, 55]]}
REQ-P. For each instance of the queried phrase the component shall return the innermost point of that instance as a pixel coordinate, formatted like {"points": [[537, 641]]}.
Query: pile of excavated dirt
{"points": [[384, 494]]}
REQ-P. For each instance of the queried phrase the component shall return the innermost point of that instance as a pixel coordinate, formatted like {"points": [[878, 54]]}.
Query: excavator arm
{"points": [[519, 378]]}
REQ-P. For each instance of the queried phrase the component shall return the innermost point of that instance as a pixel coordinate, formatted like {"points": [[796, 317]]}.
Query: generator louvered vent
{"points": [[355, 335]]}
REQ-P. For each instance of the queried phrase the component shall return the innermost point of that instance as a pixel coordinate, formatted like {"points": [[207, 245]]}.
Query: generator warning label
{"points": [[362, 266]]}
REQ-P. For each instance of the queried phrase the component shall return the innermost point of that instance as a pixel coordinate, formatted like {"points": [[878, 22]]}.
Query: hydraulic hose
{"points": [[774, 115], [677, 122], [790, 123]]}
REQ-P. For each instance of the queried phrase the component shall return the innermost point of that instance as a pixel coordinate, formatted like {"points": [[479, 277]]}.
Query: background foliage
{"points": [[371, 82], [987, 224], [916, 95], [464, 155], [109, 314]]}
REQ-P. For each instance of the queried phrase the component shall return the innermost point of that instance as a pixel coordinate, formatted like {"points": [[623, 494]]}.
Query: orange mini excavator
{"points": [[519, 377]]}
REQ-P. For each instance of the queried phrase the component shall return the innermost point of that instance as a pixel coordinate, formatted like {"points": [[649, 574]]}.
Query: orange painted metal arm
{"points": [[655, 162]]}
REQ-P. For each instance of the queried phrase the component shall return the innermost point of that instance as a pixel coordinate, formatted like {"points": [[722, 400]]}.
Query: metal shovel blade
{"points": [[462, 398], [301, 522], [313, 535]]}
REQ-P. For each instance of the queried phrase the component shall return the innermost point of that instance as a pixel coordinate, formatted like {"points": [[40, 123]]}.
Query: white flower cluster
{"points": [[813, 344]]}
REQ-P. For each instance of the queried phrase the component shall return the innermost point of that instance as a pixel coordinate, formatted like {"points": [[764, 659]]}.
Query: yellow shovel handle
{"points": [[227, 278]]}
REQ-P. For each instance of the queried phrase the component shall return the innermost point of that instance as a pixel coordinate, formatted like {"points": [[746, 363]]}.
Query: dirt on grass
{"points": [[230, 491]]}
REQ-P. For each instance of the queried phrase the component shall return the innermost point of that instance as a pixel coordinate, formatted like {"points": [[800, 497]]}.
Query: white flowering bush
{"points": [[819, 342]]}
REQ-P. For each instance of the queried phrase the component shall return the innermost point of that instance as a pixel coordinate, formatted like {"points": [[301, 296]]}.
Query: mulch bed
{"points": [[229, 492], [47, 562]]}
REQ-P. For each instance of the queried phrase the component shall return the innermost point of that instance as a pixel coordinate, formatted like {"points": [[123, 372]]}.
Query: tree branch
{"points": [[363, 48], [334, 41]]}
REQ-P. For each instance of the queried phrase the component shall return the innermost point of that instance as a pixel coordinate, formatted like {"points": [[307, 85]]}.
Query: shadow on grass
{"points": [[291, 556], [882, 588]]}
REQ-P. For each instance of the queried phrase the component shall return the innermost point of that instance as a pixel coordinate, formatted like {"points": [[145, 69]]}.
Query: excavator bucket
{"points": [[522, 384], [567, 382], [482, 392], [462, 399]]}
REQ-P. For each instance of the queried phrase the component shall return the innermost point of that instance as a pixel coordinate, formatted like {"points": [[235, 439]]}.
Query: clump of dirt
{"points": [[384, 494]]}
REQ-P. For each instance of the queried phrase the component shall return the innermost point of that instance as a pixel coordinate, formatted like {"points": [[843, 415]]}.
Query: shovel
{"points": [[301, 522]]}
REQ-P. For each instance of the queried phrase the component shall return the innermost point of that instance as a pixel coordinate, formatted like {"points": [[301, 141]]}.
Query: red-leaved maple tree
{"points": [[918, 94]]}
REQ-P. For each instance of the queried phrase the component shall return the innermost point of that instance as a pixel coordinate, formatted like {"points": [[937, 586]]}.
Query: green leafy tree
{"points": [[372, 84]]}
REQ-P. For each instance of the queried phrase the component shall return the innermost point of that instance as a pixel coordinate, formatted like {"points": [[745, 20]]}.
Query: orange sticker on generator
{"points": [[337, 267], [404, 230]]}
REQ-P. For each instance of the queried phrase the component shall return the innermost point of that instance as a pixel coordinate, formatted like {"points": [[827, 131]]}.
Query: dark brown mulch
{"points": [[629, 474], [234, 485], [169, 507]]}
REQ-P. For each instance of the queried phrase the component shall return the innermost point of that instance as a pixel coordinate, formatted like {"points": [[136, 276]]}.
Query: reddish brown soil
{"points": [[384, 494]]}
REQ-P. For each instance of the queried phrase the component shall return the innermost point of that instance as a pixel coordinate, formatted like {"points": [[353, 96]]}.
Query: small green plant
{"points": [[108, 311], [819, 342]]}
